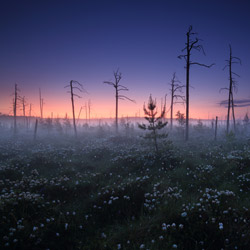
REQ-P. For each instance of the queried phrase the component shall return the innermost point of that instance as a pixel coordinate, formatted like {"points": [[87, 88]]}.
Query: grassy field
{"points": [[116, 193]]}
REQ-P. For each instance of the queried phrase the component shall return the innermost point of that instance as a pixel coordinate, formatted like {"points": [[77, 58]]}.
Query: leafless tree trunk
{"points": [[41, 104], [74, 85], [86, 112], [73, 107], [216, 123], [232, 86], [190, 45], [35, 131], [89, 108], [233, 112], [24, 110], [118, 88], [79, 115], [14, 108], [175, 87], [16, 99], [29, 115]]}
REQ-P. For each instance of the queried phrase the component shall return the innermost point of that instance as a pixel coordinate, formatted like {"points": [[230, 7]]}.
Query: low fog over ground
{"points": [[116, 190]]}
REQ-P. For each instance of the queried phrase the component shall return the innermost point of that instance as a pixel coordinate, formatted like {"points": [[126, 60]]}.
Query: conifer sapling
{"points": [[155, 123]]}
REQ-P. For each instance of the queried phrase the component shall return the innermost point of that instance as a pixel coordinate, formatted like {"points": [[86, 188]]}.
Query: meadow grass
{"points": [[117, 193]]}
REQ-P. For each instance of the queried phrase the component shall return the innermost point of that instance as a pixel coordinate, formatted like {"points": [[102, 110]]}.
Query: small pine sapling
{"points": [[155, 123], [180, 117]]}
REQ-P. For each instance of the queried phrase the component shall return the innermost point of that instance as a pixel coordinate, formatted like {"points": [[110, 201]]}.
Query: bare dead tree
{"points": [[35, 131], [14, 108], [24, 104], [41, 103], [118, 88], [29, 115], [79, 115], [15, 105], [176, 90], [232, 86], [74, 85], [191, 45], [86, 112], [215, 132], [89, 108]]}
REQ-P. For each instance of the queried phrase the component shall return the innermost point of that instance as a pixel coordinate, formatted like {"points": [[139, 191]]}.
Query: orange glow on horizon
{"points": [[107, 110], [58, 103]]}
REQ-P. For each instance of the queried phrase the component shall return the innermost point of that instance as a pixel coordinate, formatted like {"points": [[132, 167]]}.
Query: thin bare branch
{"points": [[77, 95], [223, 89], [235, 74], [201, 64], [77, 89], [121, 86], [122, 97], [110, 83]]}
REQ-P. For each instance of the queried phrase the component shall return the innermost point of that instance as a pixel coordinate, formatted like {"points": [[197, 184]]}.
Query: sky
{"points": [[46, 43]]}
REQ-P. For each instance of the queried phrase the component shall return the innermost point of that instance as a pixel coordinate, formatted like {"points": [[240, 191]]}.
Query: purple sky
{"points": [[45, 44]]}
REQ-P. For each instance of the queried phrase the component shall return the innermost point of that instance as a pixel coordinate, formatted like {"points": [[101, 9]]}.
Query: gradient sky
{"points": [[45, 44]]}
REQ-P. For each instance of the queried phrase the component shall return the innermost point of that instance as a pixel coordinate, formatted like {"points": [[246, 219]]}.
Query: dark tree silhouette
{"points": [[41, 104], [216, 125], [232, 86], [89, 108], [246, 119], [155, 123], [191, 45], [86, 112], [66, 123], [24, 104], [14, 108], [15, 104], [175, 91], [118, 88], [180, 118], [78, 118], [74, 85], [35, 131], [30, 110]]}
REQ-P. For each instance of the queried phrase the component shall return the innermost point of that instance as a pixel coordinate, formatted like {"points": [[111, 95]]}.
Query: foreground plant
{"points": [[155, 123]]}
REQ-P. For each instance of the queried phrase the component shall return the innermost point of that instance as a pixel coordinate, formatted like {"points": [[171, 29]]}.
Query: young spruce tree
{"points": [[155, 123]]}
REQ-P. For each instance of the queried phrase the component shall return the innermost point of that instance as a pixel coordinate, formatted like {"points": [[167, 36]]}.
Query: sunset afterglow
{"points": [[88, 41]]}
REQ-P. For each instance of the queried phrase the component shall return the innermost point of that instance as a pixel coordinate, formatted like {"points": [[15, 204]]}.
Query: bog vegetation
{"points": [[126, 186], [109, 190]]}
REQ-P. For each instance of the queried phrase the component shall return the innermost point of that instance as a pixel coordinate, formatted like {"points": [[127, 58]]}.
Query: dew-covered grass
{"points": [[117, 193]]}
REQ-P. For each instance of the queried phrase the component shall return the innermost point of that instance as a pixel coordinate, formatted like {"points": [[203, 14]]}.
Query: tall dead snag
{"points": [[175, 89], [35, 131], [232, 86], [79, 115], [215, 132], [118, 88], [78, 86], [89, 108], [24, 104], [15, 104], [41, 104], [86, 112], [14, 108], [29, 115], [191, 45]]}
